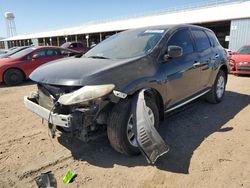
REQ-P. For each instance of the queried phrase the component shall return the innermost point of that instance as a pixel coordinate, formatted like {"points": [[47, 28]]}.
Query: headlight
{"points": [[231, 62], [85, 93]]}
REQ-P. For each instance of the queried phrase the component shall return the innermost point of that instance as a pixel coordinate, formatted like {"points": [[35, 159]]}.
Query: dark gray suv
{"points": [[172, 64]]}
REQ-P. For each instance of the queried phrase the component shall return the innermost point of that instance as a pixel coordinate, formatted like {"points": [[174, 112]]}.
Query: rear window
{"points": [[213, 39], [201, 40]]}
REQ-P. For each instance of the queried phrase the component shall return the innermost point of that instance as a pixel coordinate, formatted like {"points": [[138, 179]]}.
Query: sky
{"points": [[44, 15]]}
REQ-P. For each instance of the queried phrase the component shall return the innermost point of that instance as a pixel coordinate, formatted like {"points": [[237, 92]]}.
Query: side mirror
{"points": [[35, 56], [233, 52], [173, 51]]}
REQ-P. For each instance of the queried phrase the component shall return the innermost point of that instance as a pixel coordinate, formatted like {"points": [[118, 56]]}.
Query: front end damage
{"points": [[71, 109], [81, 112]]}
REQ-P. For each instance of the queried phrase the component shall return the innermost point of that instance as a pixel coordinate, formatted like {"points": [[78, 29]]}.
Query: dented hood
{"points": [[92, 71]]}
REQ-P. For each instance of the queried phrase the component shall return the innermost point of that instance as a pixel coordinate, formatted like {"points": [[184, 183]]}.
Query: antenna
{"points": [[10, 24]]}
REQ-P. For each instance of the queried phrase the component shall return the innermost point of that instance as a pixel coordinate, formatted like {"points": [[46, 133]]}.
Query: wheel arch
{"points": [[225, 70], [156, 96]]}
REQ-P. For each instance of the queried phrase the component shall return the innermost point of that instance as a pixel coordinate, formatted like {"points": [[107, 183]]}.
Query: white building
{"points": [[230, 20]]}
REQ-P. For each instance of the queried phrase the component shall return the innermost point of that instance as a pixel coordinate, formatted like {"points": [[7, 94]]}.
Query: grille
{"points": [[244, 68]]}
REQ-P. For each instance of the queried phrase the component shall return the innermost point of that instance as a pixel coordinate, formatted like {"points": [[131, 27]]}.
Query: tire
{"points": [[13, 77], [217, 92], [118, 122]]}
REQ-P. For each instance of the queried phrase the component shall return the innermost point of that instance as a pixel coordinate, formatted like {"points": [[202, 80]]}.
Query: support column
{"points": [[76, 38], [100, 37], [58, 42]]}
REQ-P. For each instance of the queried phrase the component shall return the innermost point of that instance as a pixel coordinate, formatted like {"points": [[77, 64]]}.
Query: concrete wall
{"points": [[239, 33]]}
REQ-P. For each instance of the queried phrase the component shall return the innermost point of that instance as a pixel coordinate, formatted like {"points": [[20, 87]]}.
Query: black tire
{"points": [[118, 122], [13, 77], [212, 96]]}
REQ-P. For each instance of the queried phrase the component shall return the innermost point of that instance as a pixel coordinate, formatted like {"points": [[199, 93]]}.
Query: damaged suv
{"points": [[172, 64]]}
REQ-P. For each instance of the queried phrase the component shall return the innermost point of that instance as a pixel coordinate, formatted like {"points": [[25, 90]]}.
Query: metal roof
{"points": [[210, 13]]}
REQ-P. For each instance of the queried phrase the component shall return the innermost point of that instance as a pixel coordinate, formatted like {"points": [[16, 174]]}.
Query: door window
{"points": [[213, 39], [52, 52], [65, 52], [39, 53], [201, 40], [183, 39]]}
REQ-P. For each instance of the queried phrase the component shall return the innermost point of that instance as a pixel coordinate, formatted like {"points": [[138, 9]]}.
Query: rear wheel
{"points": [[218, 89], [120, 126], [13, 77]]}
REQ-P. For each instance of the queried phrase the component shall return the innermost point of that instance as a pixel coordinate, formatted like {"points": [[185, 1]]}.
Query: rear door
{"points": [[206, 55], [182, 76]]}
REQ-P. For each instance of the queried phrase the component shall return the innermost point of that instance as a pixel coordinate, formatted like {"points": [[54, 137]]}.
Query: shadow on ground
{"points": [[25, 83], [184, 131]]}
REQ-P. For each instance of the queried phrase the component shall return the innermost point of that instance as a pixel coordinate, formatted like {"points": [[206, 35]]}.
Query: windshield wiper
{"points": [[98, 57]]}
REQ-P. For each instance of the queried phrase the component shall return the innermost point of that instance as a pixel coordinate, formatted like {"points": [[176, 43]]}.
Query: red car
{"points": [[17, 67], [240, 61], [75, 46]]}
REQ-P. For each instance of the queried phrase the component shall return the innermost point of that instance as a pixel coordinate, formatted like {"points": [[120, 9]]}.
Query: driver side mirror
{"points": [[35, 56], [173, 51]]}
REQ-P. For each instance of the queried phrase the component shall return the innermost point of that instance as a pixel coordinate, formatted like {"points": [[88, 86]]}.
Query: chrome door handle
{"points": [[196, 64], [217, 56]]}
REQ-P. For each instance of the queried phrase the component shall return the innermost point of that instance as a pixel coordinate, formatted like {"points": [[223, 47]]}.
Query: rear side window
{"points": [[52, 52], [213, 39], [80, 45], [183, 39], [201, 40]]}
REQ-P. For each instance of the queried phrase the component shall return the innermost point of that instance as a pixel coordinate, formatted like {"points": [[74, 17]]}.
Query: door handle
{"points": [[217, 56], [196, 64]]}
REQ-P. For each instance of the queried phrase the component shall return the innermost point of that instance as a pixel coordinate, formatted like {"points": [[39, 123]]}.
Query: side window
{"points": [[73, 45], [65, 52], [40, 53], [80, 45], [213, 39], [201, 40], [51, 52], [183, 39]]}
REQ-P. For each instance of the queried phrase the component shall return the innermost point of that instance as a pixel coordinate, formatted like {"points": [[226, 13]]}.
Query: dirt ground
{"points": [[210, 147]]}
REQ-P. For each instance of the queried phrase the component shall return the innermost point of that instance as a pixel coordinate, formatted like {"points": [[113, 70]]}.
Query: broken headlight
{"points": [[85, 93]]}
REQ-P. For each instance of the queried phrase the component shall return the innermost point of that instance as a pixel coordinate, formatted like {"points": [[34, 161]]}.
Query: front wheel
{"points": [[120, 126], [218, 89]]}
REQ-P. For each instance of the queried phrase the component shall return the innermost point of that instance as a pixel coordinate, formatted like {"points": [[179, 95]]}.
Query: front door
{"points": [[40, 57], [182, 74]]}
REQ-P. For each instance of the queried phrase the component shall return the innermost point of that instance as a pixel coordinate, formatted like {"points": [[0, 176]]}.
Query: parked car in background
{"points": [[75, 46], [240, 61], [17, 67], [172, 65], [3, 52], [13, 51]]}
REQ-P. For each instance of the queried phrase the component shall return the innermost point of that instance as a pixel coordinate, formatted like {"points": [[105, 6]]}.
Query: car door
{"points": [[40, 57], [34, 60], [181, 74], [204, 48]]}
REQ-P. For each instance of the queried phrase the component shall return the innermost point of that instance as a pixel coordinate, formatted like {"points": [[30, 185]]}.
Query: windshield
{"points": [[22, 53], [244, 50], [127, 44]]}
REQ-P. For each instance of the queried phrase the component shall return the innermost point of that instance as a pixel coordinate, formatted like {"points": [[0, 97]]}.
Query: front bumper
{"points": [[240, 69], [60, 120]]}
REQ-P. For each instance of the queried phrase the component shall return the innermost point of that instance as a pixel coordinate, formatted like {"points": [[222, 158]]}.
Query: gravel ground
{"points": [[210, 147]]}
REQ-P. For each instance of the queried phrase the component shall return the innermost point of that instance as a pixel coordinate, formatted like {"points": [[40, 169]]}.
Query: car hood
{"points": [[92, 71], [5, 61], [241, 58]]}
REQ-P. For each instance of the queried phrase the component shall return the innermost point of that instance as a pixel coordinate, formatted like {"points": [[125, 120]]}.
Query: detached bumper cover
{"points": [[53, 118], [148, 139]]}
